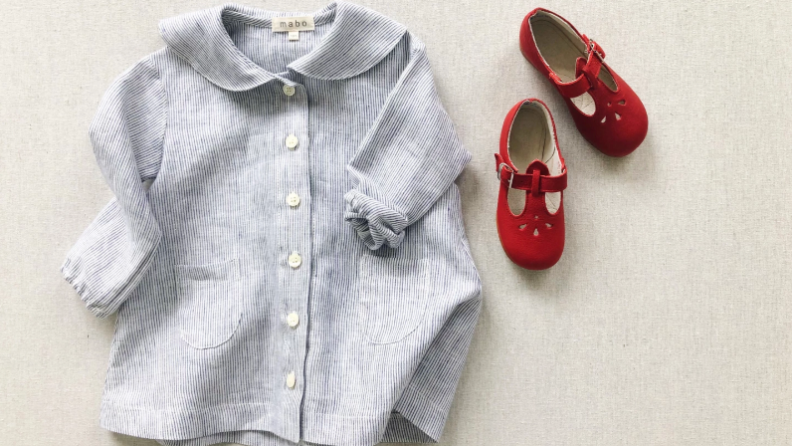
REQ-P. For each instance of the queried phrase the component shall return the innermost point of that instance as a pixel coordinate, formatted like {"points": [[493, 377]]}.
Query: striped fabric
{"points": [[297, 270]]}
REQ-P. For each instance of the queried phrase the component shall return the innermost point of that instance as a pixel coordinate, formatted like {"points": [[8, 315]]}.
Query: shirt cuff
{"points": [[71, 272], [375, 223]]}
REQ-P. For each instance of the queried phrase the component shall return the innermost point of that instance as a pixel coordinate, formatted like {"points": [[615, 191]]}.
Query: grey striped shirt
{"points": [[297, 270]]}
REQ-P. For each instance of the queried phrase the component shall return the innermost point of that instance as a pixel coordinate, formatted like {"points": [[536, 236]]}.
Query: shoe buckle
{"points": [[511, 177], [593, 48]]}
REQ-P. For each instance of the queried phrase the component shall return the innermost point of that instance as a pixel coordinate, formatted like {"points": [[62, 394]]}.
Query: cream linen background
{"points": [[666, 322]]}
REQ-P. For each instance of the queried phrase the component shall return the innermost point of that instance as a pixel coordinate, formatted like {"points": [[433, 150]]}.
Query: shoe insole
{"points": [[530, 139]]}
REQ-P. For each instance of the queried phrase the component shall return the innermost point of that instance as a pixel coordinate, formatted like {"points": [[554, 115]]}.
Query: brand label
{"points": [[286, 24]]}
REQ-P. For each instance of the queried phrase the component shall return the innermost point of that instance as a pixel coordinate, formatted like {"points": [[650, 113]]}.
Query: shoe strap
{"points": [[533, 182], [586, 72]]}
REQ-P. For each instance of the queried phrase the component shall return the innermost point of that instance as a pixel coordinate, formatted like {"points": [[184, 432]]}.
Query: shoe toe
{"points": [[629, 131], [536, 256]]}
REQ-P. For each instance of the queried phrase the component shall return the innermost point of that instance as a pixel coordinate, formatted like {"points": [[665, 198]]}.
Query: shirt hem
{"points": [[178, 426], [185, 424]]}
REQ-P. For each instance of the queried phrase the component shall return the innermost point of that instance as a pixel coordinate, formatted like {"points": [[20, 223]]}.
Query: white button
{"points": [[293, 319], [288, 90], [293, 199], [291, 142], [291, 380], [295, 260]]}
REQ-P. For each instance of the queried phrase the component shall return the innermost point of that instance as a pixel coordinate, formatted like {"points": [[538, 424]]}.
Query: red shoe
{"points": [[607, 112], [532, 234]]}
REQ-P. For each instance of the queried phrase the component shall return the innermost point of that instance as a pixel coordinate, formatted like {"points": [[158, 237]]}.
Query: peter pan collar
{"points": [[358, 39]]}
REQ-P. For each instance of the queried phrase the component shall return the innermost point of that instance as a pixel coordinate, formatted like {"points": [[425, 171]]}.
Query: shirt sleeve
{"points": [[408, 159], [113, 253]]}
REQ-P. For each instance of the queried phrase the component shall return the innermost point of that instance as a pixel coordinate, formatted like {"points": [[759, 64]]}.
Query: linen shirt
{"points": [[284, 250]]}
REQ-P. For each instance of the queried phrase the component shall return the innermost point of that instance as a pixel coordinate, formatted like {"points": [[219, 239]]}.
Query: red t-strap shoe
{"points": [[531, 204], [607, 112]]}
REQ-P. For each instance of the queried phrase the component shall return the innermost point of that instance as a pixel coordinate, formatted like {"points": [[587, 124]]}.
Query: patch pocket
{"points": [[393, 297], [209, 307]]}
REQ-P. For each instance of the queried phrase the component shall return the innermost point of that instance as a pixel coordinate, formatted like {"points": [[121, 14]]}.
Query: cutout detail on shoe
{"points": [[516, 200], [618, 116], [585, 104], [536, 231]]}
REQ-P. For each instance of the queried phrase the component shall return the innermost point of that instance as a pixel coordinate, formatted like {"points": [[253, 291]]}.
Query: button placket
{"points": [[298, 236]]}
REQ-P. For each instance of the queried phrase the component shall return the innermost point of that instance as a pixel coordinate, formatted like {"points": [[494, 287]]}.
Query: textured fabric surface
{"points": [[666, 321], [206, 265]]}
